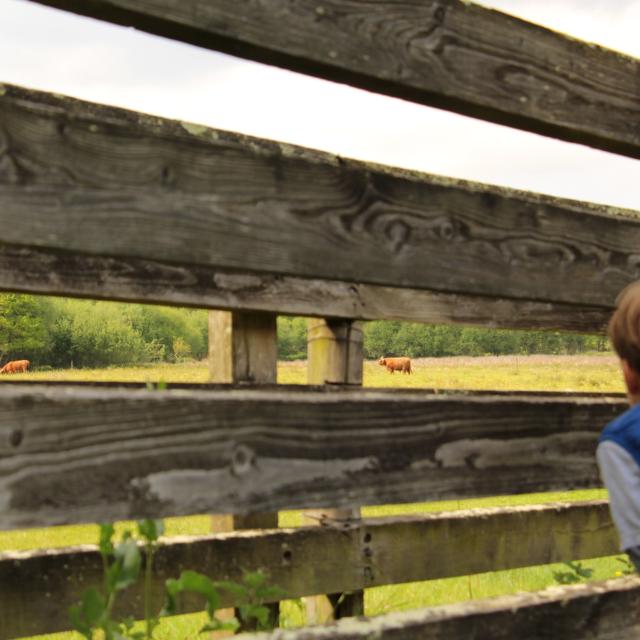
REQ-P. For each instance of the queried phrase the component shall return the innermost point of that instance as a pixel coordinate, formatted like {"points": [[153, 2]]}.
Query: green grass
{"points": [[551, 374], [545, 373]]}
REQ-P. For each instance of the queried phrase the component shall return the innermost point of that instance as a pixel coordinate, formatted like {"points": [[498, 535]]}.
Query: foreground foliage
{"points": [[122, 564]]}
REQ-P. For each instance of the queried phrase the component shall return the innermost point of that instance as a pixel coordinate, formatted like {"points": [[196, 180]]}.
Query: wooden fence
{"points": [[102, 202]]}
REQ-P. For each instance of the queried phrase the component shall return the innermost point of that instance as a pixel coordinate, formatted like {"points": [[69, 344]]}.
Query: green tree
{"points": [[292, 338], [25, 323]]}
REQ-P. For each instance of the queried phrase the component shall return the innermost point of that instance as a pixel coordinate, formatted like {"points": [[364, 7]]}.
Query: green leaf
{"points": [[150, 530], [78, 623], [254, 579], [194, 582], [171, 590], [128, 560], [260, 613], [238, 590], [90, 613], [231, 624], [106, 539], [94, 606], [128, 623], [270, 593]]}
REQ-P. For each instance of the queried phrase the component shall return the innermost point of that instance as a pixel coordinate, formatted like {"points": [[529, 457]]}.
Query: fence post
{"points": [[335, 356], [243, 348]]}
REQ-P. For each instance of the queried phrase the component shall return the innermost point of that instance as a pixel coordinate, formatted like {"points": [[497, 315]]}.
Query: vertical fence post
{"points": [[335, 356], [243, 348]]}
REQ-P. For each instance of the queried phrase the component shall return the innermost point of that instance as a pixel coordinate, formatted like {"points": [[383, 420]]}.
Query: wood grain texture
{"points": [[607, 610], [335, 355], [444, 53], [335, 351], [94, 180], [243, 349], [30, 270], [74, 454], [37, 587]]}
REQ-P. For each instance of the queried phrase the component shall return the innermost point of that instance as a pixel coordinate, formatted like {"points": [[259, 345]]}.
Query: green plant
{"points": [[253, 592], [122, 565], [576, 573], [193, 582]]}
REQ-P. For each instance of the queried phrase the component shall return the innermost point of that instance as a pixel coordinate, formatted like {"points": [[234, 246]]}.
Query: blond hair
{"points": [[624, 326]]}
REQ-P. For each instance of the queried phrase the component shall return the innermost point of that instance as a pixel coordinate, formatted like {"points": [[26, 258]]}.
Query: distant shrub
{"points": [[292, 338]]}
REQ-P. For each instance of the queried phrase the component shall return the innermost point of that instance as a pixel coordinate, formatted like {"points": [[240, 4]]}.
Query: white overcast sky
{"points": [[60, 52]]}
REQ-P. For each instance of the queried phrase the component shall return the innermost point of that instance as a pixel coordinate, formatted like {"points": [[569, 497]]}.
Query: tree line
{"points": [[62, 332], [391, 338]]}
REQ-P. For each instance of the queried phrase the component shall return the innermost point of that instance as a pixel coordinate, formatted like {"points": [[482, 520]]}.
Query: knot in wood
{"points": [[15, 438], [242, 460]]}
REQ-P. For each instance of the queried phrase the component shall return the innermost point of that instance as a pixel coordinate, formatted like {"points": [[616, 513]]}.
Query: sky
{"points": [[56, 51]]}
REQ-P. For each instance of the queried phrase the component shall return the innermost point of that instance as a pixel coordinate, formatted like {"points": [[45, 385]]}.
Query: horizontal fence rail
{"points": [[599, 611], [445, 53], [37, 587], [94, 181], [73, 454], [39, 271]]}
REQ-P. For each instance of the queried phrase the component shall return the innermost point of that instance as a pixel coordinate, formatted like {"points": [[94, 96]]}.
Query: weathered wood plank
{"points": [[80, 454], [607, 610], [335, 355], [445, 53], [36, 588], [94, 180], [30, 270], [243, 348]]}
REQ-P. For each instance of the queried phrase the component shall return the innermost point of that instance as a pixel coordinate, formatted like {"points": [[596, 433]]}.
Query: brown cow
{"points": [[396, 364], [15, 366]]}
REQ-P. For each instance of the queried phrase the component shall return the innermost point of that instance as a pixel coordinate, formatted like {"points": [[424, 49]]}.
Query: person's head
{"points": [[624, 333]]}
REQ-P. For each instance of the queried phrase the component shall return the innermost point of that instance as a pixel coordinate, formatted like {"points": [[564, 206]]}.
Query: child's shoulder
{"points": [[624, 430]]}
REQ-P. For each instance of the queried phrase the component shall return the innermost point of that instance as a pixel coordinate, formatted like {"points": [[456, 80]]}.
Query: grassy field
{"points": [[535, 373], [590, 373]]}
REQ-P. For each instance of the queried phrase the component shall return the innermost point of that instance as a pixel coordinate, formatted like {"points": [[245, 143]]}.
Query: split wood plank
{"points": [[37, 587], [32, 270], [449, 54], [94, 180], [77, 454]]}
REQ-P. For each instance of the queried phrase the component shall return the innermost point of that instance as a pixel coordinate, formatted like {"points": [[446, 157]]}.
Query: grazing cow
{"points": [[396, 364], [15, 366]]}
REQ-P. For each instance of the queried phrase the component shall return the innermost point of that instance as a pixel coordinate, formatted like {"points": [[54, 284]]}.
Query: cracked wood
{"points": [[100, 181], [74, 454]]}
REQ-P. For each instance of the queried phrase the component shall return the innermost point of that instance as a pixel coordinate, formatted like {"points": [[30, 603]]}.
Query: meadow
{"points": [[583, 373], [580, 373]]}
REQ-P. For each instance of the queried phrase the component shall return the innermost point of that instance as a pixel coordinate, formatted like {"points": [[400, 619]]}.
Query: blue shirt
{"points": [[618, 457], [625, 431]]}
